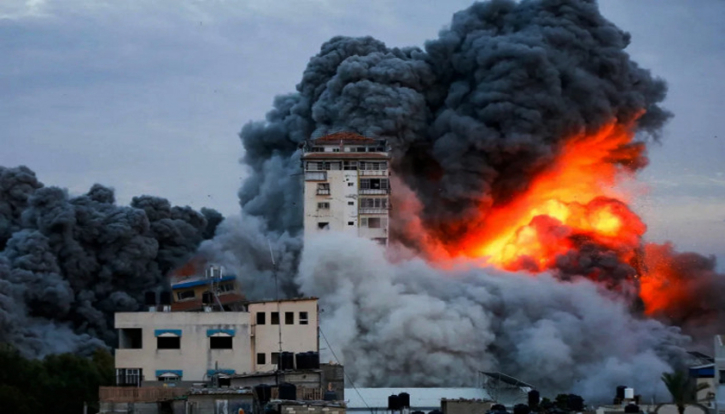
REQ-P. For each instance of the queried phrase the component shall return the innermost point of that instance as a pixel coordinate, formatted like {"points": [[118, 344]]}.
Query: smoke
{"points": [[472, 118], [68, 263], [407, 323]]}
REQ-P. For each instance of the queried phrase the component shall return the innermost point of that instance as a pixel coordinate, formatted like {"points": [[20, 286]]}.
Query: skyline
{"points": [[148, 98]]}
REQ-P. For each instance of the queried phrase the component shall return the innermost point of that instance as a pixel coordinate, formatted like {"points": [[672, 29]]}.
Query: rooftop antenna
{"points": [[276, 294], [210, 274]]}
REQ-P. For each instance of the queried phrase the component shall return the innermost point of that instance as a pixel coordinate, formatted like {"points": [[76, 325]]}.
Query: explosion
{"points": [[575, 200]]}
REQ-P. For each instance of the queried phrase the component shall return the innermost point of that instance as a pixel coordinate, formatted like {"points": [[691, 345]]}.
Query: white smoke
{"points": [[409, 324]]}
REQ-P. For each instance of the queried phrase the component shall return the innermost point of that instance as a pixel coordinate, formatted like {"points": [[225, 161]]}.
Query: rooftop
{"points": [[304, 299], [352, 155], [343, 138], [192, 305], [419, 397]]}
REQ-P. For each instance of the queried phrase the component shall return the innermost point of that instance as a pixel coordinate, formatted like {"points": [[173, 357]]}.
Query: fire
{"points": [[575, 199]]}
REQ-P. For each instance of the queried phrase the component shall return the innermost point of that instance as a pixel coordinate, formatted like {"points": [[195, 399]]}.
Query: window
{"points": [[315, 176], [275, 358], [323, 206], [130, 338], [261, 318], [225, 287], [374, 222], [323, 188], [323, 226], [275, 318], [168, 342], [303, 318], [129, 377], [350, 203], [373, 165], [374, 203], [349, 165], [289, 318], [374, 184], [220, 342], [168, 377], [360, 149], [350, 184], [336, 150], [350, 223], [185, 294], [722, 377], [261, 360]]}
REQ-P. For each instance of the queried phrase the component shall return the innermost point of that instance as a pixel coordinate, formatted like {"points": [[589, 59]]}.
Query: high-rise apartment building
{"points": [[347, 186]]}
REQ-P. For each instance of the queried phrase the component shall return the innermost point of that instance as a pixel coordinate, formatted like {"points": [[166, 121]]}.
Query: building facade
{"points": [[192, 347], [719, 374], [347, 186]]}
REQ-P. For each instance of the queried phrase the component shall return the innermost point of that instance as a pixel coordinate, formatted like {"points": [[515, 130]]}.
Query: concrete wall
{"points": [[219, 404], [465, 406], [168, 407], [295, 337], [310, 409], [195, 356]]}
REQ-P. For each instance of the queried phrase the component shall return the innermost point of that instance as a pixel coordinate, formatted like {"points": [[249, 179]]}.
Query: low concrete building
{"points": [[375, 400], [311, 383], [187, 348], [307, 407], [219, 401]]}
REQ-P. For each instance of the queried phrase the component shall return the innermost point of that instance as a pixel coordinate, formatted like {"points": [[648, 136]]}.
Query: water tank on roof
{"points": [[394, 403], [533, 399], [629, 393], [620, 392], [301, 360], [521, 409], [417, 412], [330, 396], [165, 298], [263, 393], [286, 361], [631, 409], [436, 412], [404, 399], [150, 298], [498, 408], [314, 360], [287, 391]]}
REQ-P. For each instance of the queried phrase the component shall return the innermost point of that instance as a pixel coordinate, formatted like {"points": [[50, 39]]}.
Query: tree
{"points": [[682, 388]]}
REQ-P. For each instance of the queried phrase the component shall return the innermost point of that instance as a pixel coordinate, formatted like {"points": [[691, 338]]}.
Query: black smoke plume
{"points": [[68, 263], [472, 117]]}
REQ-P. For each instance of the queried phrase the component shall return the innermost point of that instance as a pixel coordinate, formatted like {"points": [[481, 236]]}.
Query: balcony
{"points": [[315, 175], [381, 173], [323, 192], [373, 211], [375, 191]]}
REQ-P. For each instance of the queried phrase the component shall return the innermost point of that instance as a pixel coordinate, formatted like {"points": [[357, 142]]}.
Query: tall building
{"points": [[347, 186]]}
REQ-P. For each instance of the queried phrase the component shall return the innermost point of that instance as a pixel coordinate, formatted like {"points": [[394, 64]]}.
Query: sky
{"points": [[148, 96]]}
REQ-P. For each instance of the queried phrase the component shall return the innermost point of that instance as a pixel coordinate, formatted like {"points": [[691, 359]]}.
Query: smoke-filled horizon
{"points": [[68, 263]]}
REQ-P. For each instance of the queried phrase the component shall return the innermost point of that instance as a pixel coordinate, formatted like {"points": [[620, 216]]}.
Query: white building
{"points": [[719, 374], [347, 186], [191, 347]]}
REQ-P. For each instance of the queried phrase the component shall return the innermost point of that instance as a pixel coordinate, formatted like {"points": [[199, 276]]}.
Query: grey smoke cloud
{"points": [[68, 263], [397, 324]]}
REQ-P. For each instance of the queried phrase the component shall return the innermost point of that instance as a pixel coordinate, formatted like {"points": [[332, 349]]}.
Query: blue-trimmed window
{"points": [[168, 338], [220, 338], [169, 375], [220, 332], [212, 372]]}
